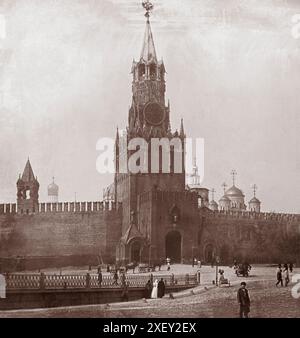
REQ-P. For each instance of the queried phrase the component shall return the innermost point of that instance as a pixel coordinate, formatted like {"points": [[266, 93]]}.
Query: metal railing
{"points": [[91, 281]]}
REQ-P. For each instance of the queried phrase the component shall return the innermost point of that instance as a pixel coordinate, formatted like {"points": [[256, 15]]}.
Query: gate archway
{"points": [[135, 252], [209, 253], [173, 246]]}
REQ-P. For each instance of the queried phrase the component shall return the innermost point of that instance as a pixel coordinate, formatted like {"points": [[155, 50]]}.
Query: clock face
{"points": [[154, 114]]}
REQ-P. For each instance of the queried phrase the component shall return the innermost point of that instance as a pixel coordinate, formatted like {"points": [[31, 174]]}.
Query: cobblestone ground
{"points": [[266, 301]]}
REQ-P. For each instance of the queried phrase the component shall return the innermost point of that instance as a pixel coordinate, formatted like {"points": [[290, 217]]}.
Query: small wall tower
{"points": [[27, 191]]}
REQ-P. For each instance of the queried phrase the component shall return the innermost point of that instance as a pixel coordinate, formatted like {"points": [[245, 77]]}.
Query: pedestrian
{"points": [[199, 264], [125, 292], [151, 280], [154, 292], [291, 266], [148, 289], [161, 288], [279, 275], [116, 277], [99, 278], [168, 266], [243, 300], [286, 275], [123, 278]]}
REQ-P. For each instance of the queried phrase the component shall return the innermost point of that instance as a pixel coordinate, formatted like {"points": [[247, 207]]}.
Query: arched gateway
{"points": [[209, 253], [173, 246], [135, 252]]}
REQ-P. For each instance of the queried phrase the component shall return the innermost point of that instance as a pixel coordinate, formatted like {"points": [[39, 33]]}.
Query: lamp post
{"points": [[150, 246]]}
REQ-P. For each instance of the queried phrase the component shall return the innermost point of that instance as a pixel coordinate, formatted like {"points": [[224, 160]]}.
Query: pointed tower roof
{"points": [[181, 129], [28, 175], [148, 52]]}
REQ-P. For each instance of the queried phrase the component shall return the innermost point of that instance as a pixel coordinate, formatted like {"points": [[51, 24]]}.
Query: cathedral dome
{"points": [[53, 189], [213, 205], [224, 199], [254, 200], [234, 192]]}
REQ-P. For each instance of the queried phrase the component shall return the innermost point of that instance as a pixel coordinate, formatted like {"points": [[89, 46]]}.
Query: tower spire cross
{"points": [[224, 186], [254, 187], [213, 194], [148, 7], [233, 174]]}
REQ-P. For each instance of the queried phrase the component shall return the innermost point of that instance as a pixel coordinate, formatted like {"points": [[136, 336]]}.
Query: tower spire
{"points": [[28, 174], [181, 129], [213, 194], [148, 51], [233, 174], [254, 187]]}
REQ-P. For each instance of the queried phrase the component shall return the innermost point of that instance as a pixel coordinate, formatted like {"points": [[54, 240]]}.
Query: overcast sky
{"points": [[232, 73]]}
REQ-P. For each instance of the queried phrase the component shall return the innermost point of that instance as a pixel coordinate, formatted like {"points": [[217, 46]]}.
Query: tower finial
{"points": [[148, 7], [224, 186], [233, 174], [213, 194], [254, 187]]}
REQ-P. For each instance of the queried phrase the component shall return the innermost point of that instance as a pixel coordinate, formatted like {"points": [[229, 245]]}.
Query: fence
{"points": [[90, 281]]}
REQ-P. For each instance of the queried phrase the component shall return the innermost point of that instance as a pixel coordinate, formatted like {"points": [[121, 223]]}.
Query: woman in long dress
{"points": [[155, 289]]}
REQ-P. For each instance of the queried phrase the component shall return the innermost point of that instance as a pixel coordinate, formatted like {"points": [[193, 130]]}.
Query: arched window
{"points": [[152, 70], [142, 70]]}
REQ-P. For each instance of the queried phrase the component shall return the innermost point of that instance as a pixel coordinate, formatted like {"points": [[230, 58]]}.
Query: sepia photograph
{"points": [[150, 161]]}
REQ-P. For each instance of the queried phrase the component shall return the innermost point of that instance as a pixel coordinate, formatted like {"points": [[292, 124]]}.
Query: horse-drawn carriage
{"points": [[242, 269]]}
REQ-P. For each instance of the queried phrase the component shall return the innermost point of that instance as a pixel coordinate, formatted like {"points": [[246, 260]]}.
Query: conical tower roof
{"points": [[28, 175], [148, 53]]}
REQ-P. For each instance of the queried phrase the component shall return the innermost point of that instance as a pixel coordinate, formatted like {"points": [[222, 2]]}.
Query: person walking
{"points": [[125, 292], [291, 266], [243, 300], [99, 278], [116, 277], [154, 292], [123, 279], [279, 276], [286, 275], [161, 288], [148, 289]]}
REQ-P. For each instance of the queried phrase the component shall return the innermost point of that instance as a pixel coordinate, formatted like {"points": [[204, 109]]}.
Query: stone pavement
{"points": [[207, 301]]}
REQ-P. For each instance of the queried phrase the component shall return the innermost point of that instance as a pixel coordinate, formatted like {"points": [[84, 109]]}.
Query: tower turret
{"points": [[27, 191], [254, 203], [53, 190]]}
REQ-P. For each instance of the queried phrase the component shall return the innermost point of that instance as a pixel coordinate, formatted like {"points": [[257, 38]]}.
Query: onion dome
{"points": [[53, 189], [224, 199], [213, 205], [254, 200], [234, 192]]}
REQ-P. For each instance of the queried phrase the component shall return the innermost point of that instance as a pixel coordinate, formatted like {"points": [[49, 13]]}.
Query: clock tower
{"points": [[148, 120]]}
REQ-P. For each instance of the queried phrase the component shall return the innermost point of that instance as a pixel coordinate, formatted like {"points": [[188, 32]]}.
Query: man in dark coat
{"points": [[148, 289], [99, 278], [279, 276], [161, 288], [244, 300], [125, 292]]}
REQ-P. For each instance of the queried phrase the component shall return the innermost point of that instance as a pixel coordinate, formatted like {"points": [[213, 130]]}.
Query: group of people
{"points": [[283, 273], [196, 262], [155, 290]]}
